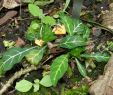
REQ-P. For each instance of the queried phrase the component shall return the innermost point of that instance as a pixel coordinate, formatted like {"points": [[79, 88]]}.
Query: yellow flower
{"points": [[59, 29], [39, 42]]}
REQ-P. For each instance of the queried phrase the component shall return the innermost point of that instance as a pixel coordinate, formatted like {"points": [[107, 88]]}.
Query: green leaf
{"points": [[12, 56], [48, 20], [58, 68], [34, 25], [71, 42], [31, 33], [72, 25], [23, 86], [99, 57], [77, 51], [47, 34], [35, 10], [69, 72], [81, 68], [36, 81], [35, 56], [31, 36], [46, 81], [68, 22], [36, 87]]}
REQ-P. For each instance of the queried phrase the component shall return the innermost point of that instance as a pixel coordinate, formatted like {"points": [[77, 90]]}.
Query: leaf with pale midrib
{"points": [[35, 55], [58, 68], [71, 42], [81, 68], [13, 56], [99, 57], [72, 25]]}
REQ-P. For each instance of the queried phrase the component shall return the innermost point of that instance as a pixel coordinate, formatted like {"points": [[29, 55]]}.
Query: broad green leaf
{"points": [[68, 22], [46, 81], [71, 42], [35, 10], [77, 51], [78, 26], [99, 57], [47, 34], [35, 56], [72, 25], [48, 20], [81, 68], [31, 34], [58, 68], [34, 25], [23, 86], [12, 56]]}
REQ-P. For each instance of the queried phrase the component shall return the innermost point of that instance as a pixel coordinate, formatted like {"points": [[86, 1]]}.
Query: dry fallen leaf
{"points": [[10, 4], [39, 42], [59, 29], [19, 42]]}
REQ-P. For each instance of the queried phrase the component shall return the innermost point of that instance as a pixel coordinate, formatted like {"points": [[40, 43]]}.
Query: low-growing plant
{"points": [[73, 41]]}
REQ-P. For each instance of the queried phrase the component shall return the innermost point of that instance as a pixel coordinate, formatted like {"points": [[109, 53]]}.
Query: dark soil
{"points": [[17, 27]]}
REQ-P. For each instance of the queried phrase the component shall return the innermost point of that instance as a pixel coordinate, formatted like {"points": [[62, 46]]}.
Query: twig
{"points": [[20, 73], [15, 76], [100, 25]]}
